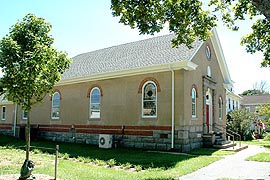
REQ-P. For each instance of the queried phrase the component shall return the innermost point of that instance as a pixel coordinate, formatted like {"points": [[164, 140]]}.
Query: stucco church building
{"points": [[142, 94]]}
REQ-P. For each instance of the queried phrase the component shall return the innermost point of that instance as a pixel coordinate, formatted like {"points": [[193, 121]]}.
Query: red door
{"points": [[207, 117]]}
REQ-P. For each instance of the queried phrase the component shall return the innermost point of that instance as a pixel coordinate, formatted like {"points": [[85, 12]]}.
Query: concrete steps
{"points": [[224, 145], [237, 148]]}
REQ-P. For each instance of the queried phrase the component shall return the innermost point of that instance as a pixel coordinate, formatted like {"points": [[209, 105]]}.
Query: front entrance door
{"points": [[208, 111]]}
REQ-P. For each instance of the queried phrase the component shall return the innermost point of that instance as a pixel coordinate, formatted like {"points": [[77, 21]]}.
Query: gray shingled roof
{"points": [[256, 99], [137, 54]]}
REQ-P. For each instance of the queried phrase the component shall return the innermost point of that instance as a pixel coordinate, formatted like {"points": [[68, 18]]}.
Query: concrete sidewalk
{"points": [[235, 167]]}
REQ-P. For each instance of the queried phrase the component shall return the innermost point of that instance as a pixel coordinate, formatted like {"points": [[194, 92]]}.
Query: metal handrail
{"points": [[231, 133], [236, 135], [226, 133]]}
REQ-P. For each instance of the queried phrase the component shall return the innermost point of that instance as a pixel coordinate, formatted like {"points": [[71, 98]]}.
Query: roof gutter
{"points": [[187, 65]]}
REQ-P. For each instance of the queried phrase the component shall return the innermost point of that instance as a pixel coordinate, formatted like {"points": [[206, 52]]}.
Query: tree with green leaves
{"points": [[258, 88], [264, 112], [191, 19], [30, 65], [251, 92], [240, 121]]}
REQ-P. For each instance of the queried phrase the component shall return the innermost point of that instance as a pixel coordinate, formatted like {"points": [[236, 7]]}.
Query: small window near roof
{"points": [[208, 52]]}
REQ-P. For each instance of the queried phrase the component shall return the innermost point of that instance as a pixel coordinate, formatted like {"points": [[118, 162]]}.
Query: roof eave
{"points": [[186, 65], [221, 59]]}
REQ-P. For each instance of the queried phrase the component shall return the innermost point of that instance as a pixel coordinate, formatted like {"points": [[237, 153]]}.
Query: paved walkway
{"points": [[235, 167]]}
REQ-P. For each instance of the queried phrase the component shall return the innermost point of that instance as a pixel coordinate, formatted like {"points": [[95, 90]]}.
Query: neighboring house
{"points": [[252, 102], [232, 100], [145, 93]]}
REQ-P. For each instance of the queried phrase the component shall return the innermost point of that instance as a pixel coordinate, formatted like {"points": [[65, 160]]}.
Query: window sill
{"points": [[194, 118], [149, 118], [94, 119], [55, 119]]}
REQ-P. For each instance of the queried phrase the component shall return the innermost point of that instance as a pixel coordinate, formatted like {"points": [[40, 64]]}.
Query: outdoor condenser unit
{"points": [[105, 141]]}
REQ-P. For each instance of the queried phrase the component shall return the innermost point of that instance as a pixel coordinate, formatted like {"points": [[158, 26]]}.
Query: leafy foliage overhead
{"points": [[190, 19], [30, 64]]}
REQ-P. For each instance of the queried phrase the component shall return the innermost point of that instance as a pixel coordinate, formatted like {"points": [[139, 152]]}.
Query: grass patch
{"points": [[80, 161], [211, 152], [258, 142], [261, 157], [228, 179]]}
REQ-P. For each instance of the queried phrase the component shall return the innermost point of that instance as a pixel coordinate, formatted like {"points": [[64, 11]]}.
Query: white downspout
{"points": [[15, 119], [172, 143]]}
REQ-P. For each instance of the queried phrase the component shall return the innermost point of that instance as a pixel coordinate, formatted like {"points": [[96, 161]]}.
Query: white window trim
{"points": [[220, 108], [55, 118], [3, 119], [142, 109], [90, 102], [209, 72], [195, 103], [24, 118]]}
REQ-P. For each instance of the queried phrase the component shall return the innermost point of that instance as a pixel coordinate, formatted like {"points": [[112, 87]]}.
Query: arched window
{"points": [[220, 108], [56, 105], [94, 111], [193, 102], [149, 99]]}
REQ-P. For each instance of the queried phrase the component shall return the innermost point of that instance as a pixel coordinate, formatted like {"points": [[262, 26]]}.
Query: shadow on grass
{"points": [[135, 157]]}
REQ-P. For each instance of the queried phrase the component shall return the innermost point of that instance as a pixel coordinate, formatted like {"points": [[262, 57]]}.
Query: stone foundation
{"points": [[185, 139]]}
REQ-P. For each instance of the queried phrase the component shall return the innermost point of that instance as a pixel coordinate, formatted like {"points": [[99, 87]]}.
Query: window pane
{"points": [[56, 100], [193, 110], [149, 100], [25, 114], [56, 105], [55, 112], [95, 103], [3, 113], [193, 102], [150, 92], [220, 108]]}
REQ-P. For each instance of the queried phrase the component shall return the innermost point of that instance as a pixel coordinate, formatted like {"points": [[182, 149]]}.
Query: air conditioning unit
{"points": [[105, 141]]}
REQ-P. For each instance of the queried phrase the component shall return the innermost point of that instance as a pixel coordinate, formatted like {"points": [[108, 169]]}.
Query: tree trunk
{"points": [[27, 136], [263, 6]]}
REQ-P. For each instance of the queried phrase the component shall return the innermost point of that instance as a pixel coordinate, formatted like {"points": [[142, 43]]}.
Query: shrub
{"points": [[126, 165], [111, 162], [64, 156], [266, 137], [138, 168], [240, 122], [36, 151], [81, 159]]}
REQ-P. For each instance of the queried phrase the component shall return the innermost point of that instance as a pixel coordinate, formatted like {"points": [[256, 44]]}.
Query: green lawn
{"points": [[258, 142], [261, 157], [80, 161]]}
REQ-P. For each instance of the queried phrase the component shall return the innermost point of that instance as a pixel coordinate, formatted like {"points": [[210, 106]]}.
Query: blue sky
{"points": [[87, 25]]}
